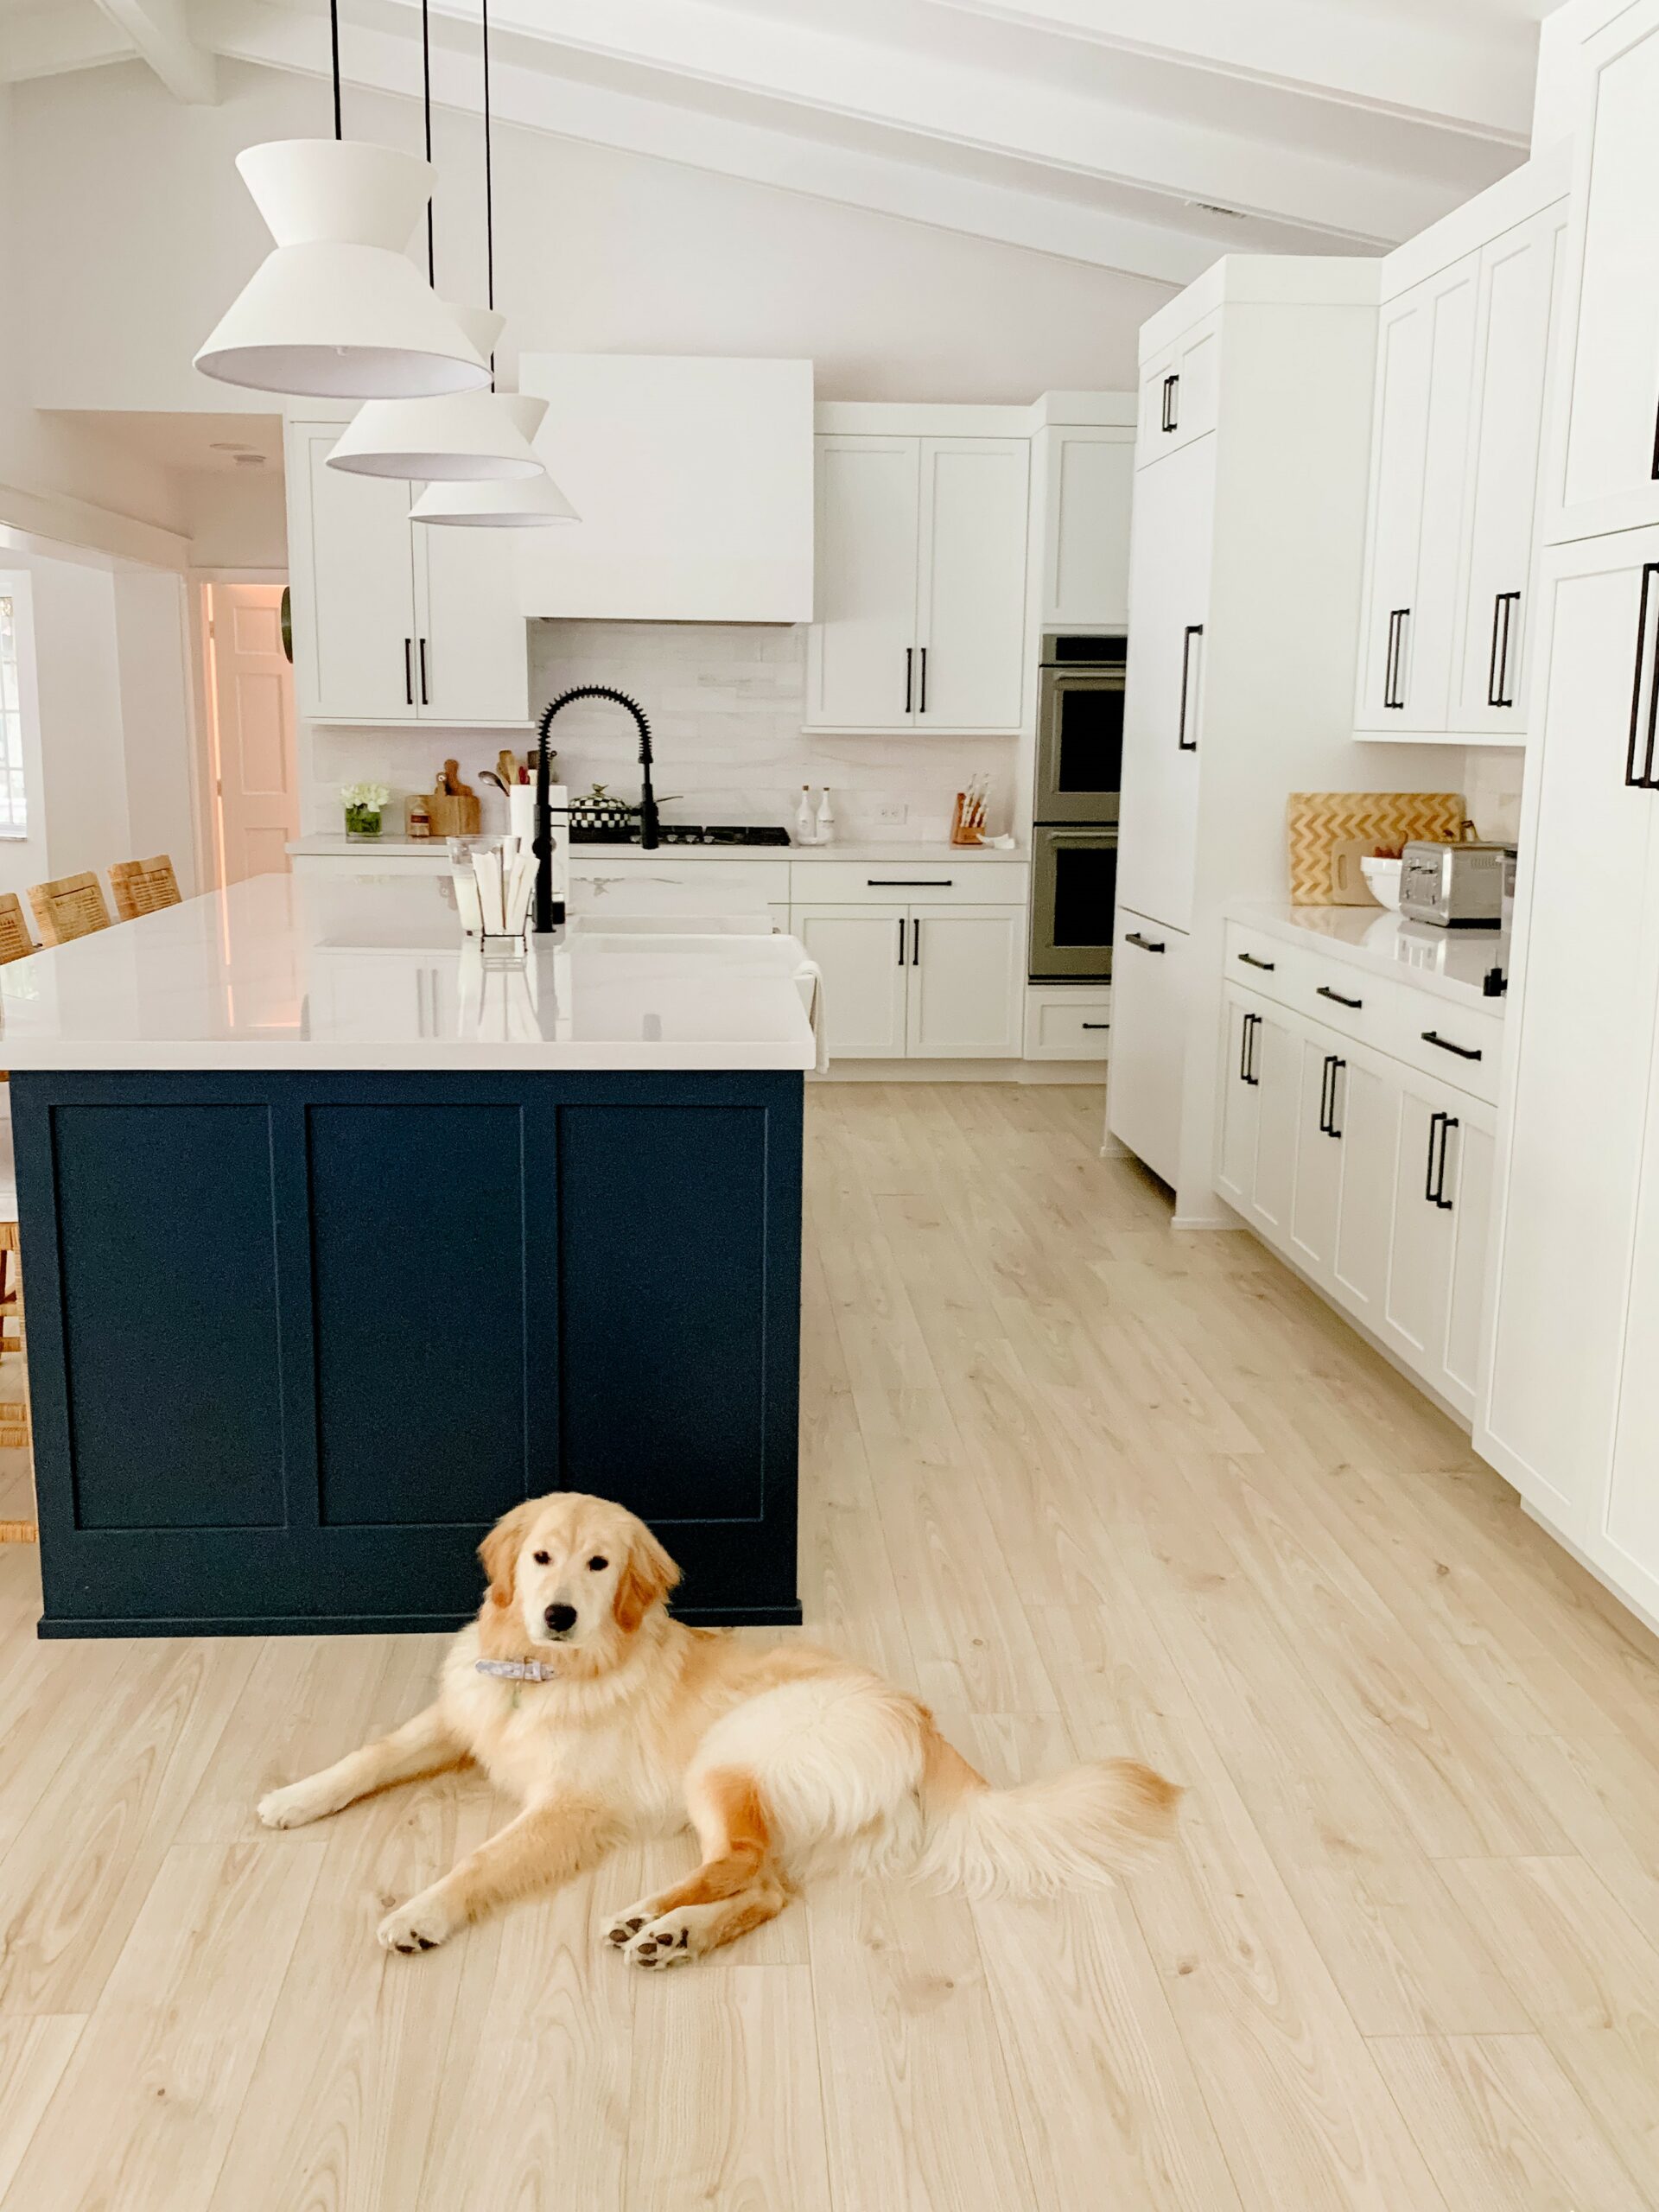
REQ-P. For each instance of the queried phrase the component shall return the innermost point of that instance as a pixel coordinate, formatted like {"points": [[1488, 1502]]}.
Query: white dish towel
{"points": [[808, 981]]}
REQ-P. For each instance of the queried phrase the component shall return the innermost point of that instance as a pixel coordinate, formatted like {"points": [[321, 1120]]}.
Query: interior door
{"points": [[255, 773], [966, 998], [864, 955], [471, 661], [970, 634], [861, 655], [1520, 276], [1163, 700], [353, 574]]}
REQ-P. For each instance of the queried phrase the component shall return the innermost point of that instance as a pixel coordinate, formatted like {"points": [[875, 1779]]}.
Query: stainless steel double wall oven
{"points": [[1074, 837]]}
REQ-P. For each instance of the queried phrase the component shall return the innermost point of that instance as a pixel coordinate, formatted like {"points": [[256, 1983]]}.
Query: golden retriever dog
{"points": [[605, 1718]]}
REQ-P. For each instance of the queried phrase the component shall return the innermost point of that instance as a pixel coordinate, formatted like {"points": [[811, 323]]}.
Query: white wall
{"points": [[22, 860], [152, 645], [85, 780], [596, 251], [235, 518]]}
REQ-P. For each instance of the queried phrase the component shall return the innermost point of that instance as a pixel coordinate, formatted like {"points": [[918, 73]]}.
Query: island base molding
{"points": [[296, 1340]]}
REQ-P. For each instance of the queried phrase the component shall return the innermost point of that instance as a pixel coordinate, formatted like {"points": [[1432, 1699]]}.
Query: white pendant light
{"points": [[467, 436], [337, 311], [525, 503]]}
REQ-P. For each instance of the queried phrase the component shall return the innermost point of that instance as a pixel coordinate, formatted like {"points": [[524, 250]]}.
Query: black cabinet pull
{"points": [[1644, 697], [1145, 944], [1250, 961], [901, 941], [1328, 1096], [1247, 1050], [910, 662], [908, 883], [915, 942], [921, 697], [1096, 1025], [1392, 694], [1337, 999], [409, 672], [1170, 418], [1444, 1044], [1184, 743], [1505, 606], [425, 702], [1440, 1127]]}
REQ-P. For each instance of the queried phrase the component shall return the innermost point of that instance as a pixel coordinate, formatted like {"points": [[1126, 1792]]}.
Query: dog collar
{"points": [[517, 1670]]}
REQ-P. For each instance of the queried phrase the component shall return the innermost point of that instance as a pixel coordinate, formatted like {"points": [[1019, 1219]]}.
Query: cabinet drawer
{"points": [[910, 883], [746, 884], [1442, 1040], [1349, 1000], [1259, 962], [1068, 1025]]}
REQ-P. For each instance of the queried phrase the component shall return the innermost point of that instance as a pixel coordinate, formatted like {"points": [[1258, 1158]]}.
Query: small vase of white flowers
{"points": [[363, 803]]}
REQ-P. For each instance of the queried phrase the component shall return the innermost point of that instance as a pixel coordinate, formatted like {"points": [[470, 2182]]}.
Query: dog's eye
{"points": [[597, 1563], [540, 1559]]}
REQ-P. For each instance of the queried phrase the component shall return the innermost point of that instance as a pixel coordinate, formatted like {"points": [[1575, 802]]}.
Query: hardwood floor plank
{"points": [[34, 2050]]}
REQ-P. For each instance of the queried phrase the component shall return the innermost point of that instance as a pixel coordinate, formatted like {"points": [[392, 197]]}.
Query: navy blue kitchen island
{"points": [[299, 1330]]}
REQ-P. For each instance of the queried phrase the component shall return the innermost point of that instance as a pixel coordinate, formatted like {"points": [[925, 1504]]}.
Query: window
{"points": [[14, 803]]}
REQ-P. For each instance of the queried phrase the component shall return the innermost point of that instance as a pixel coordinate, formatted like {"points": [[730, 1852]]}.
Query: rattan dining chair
{"points": [[16, 943], [141, 887], [68, 907]]}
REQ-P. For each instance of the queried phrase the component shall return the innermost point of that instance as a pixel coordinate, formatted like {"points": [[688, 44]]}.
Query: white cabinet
{"points": [[1608, 477], [395, 621], [920, 590], [935, 977], [1316, 1205], [966, 970], [1088, 477], [1068, 1022], [862, 951], [1180, 391], [1149, 1007], [1367, 1116], [1163, 703], [1437, 1251]]}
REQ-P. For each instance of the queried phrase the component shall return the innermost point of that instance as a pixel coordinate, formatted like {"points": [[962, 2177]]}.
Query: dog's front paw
{"points": [[669, 1941], [627, 1923], [420, 1925], [293, 1807]]}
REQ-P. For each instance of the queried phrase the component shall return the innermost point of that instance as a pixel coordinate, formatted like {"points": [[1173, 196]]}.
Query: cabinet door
{"points": [[1519, 282], [351, 567], [863, 952], [1163, 700], [1318, 1188], [1425, 353], [1368, 1114], [1630, 1525], [1088, 479], [1278, 1069], [971, 636], [472, 659], [1179, 393], [860, 652], [1154, 421], [1240, 1098], [1148, 1065], [1608, 478], [1571, 1135], [1421, 1236], [966, 993], [1470, 1186]]}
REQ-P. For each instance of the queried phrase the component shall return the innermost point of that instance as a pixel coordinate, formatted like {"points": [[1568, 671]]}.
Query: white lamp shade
{"points": [[337, 311], [462, 437], [528, 504]]}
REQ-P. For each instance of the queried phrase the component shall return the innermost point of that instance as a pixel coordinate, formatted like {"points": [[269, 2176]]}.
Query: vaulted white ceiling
{"points": [[1140, 135]]}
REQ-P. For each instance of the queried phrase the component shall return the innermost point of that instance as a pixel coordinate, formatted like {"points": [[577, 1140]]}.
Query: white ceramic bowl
{"points": [[1383, 876]]}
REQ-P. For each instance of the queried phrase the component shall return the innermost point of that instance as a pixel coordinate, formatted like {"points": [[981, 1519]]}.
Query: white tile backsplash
{"points": [[1491, 784]]}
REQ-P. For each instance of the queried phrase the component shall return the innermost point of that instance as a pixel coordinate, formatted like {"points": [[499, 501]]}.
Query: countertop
{"points": [[361, 972], [328, 846], [1449, 964]]}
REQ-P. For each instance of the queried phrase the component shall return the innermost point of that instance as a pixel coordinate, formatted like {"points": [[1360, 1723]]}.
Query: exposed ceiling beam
{"points": [[283, 38], [1473, 79], [48, 42], [972, 105], [158, 31]]}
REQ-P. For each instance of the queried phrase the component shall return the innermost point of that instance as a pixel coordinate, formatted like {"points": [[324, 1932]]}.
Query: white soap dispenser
{"points": [[826, 830], [803, 832]]}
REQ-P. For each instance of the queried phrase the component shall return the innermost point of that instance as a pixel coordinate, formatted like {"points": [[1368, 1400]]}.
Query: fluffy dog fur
{"points": [[778, 1759]]}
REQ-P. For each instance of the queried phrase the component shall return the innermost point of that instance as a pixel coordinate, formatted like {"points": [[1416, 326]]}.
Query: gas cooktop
{"points": [[689, 833]]}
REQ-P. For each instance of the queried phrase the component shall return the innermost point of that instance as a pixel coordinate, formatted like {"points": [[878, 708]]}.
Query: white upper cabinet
{"points": [[396, 621], [921, 584], [1088, 481], [1180, 388], [1609, 459]]}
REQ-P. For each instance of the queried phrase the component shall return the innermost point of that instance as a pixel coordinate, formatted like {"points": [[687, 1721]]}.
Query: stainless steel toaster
{"points": [[1455, 886]]}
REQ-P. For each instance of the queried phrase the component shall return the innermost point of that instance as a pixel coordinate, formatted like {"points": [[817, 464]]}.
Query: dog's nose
{"points": [[560, 1618]]}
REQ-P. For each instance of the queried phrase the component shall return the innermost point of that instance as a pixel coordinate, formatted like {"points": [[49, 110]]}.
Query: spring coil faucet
{"points": [[542, 844]]}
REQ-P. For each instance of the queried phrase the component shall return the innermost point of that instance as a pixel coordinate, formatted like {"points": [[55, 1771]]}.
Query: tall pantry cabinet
{"points": [[1571, 1409], [1244, 591]]}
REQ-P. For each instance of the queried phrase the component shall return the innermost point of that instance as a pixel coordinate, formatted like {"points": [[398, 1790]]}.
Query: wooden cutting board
{"points": [[1317, 822]]}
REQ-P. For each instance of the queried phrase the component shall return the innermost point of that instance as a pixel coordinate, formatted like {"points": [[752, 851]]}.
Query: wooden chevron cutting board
{"points": [[1319, 822]]}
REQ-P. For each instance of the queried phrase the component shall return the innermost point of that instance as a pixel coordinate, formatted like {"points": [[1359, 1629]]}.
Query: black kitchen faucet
{"points": [[543, 843]]}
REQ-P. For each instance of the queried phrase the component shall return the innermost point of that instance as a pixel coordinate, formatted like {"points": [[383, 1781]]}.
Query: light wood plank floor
{"points": [[1092, 1487]]}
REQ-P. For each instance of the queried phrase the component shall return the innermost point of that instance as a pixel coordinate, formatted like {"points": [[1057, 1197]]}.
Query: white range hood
{"points": [[693, 479]]}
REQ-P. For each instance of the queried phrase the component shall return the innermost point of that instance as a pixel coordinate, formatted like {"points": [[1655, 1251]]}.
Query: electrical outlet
{"points": [[889, 813]]}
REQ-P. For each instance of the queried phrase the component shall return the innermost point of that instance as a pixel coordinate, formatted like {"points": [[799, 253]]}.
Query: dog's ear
{"points": [[647, 1576], [499, 1551]]}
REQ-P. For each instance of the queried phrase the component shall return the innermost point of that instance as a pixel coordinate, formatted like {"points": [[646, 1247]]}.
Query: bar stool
{"points": [[68, 907], [142, 886]]}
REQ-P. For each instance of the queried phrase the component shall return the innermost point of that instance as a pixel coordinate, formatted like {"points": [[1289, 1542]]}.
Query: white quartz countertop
{"points": [[325, 845], [1449, 964], [364, 972]]}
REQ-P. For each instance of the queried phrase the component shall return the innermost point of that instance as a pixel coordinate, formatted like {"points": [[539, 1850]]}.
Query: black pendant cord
{"points": [[426, 105], [334, 49], [489, 181]]}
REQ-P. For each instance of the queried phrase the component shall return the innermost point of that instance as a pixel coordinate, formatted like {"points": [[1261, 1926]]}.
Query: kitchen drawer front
{"points": [[913, 883], [1068, 1025], [751, 883], [1352, 1001], [1258, 962], [1440, 1039]]}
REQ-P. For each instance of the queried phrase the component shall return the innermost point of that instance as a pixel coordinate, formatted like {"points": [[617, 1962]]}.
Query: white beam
{"points": [[158, 31], [278, 37]]}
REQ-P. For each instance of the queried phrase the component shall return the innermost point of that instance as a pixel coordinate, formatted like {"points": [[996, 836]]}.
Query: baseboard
{"points": [[1637, 1611], [1089, 1072]]}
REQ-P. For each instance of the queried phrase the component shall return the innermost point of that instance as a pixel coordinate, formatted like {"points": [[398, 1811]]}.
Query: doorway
{"points": [[252, 753]]}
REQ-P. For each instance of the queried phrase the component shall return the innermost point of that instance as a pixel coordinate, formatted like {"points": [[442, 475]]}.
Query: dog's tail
{"points": [[1068, 1831]]}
